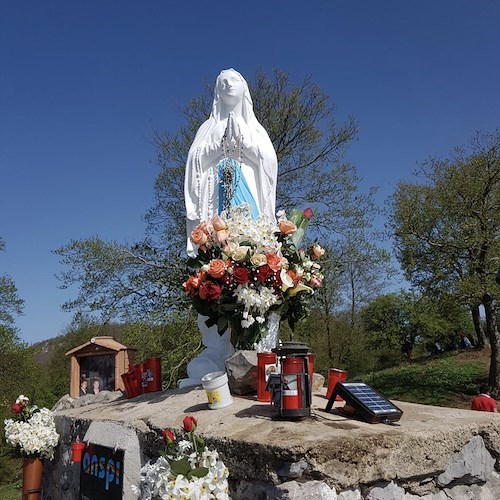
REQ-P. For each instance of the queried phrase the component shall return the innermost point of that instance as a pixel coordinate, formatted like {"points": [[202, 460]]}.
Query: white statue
{"points": [[231, 138]]}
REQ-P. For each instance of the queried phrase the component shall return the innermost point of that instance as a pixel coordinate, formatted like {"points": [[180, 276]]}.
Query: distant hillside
{"points": [[44, 351], [451, 379]]}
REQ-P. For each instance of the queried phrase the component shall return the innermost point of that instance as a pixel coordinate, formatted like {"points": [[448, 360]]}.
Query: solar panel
{"points": [[367, 403]]}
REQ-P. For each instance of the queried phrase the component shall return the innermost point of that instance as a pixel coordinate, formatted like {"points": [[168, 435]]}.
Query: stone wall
{"points": [[432, 454]]}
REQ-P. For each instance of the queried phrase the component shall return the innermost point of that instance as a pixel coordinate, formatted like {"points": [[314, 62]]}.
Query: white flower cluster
{"points": [[257, 302], [158, 481], [35, 437], [259, 233]]}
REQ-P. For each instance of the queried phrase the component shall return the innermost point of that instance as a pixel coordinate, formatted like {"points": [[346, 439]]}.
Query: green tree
{"points": [[447, 229]]}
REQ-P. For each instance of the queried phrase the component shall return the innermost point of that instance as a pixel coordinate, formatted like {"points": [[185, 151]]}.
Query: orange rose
{"points": [[287, 227], [273, 261], [198, 236], [205, 226], [218, 223], [193, 283], [216, 268]]}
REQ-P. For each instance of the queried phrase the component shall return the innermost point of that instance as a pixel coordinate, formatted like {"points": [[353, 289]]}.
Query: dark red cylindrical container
{"points": [[291, 388], [152, 368], [266, 364], [335, 376]]}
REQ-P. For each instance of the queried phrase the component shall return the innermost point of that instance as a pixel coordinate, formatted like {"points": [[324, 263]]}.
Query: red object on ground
{"points": [[334, 376], [483, 402]]}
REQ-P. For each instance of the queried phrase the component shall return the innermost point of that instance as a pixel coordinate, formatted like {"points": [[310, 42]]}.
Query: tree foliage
{"points": [[447, 229]]}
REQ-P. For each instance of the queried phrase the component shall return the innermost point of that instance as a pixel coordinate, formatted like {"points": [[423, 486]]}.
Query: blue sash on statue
{"points": [[235, 186]]}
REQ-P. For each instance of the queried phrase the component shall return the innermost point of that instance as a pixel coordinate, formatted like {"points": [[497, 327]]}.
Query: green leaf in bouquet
{"points": [[180, 467], [198, 472], [302, 222], [212, 320], [222, 325]]}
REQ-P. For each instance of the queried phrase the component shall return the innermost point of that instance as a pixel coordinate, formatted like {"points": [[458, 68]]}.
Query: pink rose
{"points": [[317, 251], [198, 236], [308, 213], [315, 282], [274, 261], [221, 235]]}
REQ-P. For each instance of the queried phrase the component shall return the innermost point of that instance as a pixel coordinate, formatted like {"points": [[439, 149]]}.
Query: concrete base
{"points": [[346, 455]]}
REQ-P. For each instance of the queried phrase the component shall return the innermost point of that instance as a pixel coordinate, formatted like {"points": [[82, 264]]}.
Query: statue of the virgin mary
{"points": [[231, 161]]}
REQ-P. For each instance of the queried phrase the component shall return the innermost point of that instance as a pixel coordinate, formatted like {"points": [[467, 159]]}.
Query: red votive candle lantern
{"points": [[266, 364], [77, 451], [334, 376], [291, 385]]}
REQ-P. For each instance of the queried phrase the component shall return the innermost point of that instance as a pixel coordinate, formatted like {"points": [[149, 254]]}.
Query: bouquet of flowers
{"points": [[245, 269], [187, 469], [33, 431]]}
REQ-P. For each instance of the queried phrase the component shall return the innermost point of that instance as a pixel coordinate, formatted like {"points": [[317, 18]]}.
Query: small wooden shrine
{"points": [[101, 362]]}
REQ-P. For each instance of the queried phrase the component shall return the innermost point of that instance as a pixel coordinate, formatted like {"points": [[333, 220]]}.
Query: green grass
{"points": [[435, 382], [10, 491]]}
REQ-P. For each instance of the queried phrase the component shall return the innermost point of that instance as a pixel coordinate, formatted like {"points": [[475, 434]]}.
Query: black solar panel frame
{"points": [[361, 409]]}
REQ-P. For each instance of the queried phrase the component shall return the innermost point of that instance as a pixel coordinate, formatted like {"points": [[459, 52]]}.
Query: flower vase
{"points": [[32, 478]]}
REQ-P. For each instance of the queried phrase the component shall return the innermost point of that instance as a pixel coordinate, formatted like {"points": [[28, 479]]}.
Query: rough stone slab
{"points": [[350, 495], [390, 491], [345, 453], [472, 492], [472, 464], [312, 490]]}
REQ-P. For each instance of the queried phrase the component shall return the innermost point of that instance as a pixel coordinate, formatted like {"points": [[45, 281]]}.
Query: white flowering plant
{"points": [[245, 269], [33, 431], [187, 469]]}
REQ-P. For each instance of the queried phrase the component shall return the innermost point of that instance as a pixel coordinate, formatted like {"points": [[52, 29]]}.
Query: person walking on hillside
{"points": [[484, 402]]}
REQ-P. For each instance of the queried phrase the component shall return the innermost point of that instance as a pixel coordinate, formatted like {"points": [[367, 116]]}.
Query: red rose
{"points": [[241, 275], [308, 213], [190, 424], [210, 291], [16, 408], [263, 273], [168, 436]]}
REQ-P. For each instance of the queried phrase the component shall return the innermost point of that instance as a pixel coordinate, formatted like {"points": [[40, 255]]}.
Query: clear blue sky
{"points": [[83, 83]]}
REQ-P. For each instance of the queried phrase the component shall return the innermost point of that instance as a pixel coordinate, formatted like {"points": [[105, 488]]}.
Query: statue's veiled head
{"points": [[231, 90]]}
